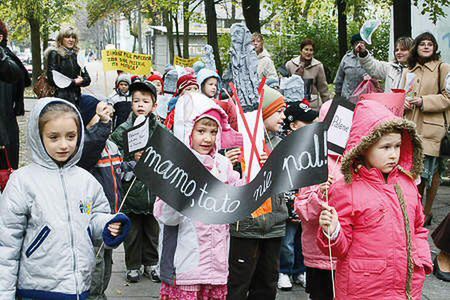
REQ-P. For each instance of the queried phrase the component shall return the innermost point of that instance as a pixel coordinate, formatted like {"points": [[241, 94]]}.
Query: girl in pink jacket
{"points": [[375, 218], [194, 255], [308, 206]]}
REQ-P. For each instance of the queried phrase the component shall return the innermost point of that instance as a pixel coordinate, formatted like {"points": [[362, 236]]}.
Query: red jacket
{"points": [[372, 247]]}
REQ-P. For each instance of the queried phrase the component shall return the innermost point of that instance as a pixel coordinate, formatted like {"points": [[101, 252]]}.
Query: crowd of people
{"points": [[359, 235]]}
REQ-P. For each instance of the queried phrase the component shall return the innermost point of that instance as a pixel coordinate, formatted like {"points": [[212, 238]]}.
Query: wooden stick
{"points": [[120, 208]]}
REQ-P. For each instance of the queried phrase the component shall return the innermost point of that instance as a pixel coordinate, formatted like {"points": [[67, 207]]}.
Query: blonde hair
{"points": [[67, 32], [55, 110]]}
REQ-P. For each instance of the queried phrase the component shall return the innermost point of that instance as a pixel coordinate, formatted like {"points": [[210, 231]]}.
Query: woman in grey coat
{"points": [[350, 73]]}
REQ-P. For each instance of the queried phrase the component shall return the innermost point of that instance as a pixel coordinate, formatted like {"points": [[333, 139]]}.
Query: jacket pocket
{"points": [[366, 275], [433, 127], [372, 217], [38, 240]]}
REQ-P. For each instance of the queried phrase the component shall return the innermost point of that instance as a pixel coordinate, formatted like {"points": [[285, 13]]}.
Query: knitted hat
{"points": [[273, 101], [156, 77], [123, 77], [88, 107], [205, 74], [185, 81], [299, 112], [356, 38]]}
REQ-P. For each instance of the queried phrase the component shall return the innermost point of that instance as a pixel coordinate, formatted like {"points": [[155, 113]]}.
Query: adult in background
{"points": [[350, 73], [428, 108], [441, 238], [389, 72], [307, 67], [13, 80], [266, 68], [63, 59]]}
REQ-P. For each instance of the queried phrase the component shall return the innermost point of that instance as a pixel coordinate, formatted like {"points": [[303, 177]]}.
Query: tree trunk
{"points": [[35, 29], [251, 10], [169, 25], [402, 18], [177, 36], [186, 16], [342, 27], [305, 11], [211, 27]]}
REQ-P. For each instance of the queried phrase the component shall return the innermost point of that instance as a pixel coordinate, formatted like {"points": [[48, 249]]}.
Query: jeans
{"points": [[291, 257]]}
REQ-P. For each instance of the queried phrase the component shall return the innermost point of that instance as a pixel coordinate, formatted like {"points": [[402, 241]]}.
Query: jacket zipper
{"points": [[69, 219]]}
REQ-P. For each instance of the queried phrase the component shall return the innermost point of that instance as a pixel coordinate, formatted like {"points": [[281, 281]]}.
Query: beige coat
{"points": [[429, 119], [314, 71], [266, 68]]}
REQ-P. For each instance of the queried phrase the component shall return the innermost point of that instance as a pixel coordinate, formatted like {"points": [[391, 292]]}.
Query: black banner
{"points": [[173, 172]]}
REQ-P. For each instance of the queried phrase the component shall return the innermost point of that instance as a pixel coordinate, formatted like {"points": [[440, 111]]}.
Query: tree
{"points": [[402, 18], [342, 26], [251, 11], [211, 23]]}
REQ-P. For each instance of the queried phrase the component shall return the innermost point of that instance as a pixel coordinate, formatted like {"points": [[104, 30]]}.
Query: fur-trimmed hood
{"points": [[370, 122], [61, 51]]}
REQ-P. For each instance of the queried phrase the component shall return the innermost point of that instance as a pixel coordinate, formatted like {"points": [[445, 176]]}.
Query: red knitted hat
{"points": [[185, 81]]}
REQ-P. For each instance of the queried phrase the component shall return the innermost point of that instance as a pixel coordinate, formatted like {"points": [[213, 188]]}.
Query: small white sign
{"points": [[138, 137], [339, 130]]}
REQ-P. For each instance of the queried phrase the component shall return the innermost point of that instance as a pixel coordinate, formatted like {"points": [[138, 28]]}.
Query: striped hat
{"points": [[273, 101]]}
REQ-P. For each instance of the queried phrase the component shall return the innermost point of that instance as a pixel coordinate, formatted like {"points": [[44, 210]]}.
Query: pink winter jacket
{"points": [[373, 257], [192, 252], [308, 206]]}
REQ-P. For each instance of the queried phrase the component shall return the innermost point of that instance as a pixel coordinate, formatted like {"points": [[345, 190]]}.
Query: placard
{"points": [[339, 123], [174, 173], [133, 63]]}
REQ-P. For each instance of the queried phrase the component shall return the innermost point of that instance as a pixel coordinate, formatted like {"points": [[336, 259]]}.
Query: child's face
{"points": [[204, 136], [190, 89], [143, 103], [275, 121], [60, 137], [210, 87], [158, 86], [384, 154], [123, 87]]}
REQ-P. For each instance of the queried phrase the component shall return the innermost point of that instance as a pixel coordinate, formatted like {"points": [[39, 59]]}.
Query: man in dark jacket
{"points": [[13, 80]]}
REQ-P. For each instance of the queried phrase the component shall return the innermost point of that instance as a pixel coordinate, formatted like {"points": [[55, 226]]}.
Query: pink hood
{"points": [[370, 122]]}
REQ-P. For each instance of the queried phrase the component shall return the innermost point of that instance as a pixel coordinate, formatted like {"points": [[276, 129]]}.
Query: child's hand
{"points": [[78, 81], [263, 157], [138, 155], [328, 219], [233, 155], [407, 105], [103, 110], [324, 187], [114, 228]]}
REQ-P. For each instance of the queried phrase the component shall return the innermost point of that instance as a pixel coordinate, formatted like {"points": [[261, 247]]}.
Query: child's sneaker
{"points": [[300, 279], [284, 283], [150, 272], [133, 276]]}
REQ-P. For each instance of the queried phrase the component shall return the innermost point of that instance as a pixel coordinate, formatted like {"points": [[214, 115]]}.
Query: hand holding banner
{"points": [[173, 172]]}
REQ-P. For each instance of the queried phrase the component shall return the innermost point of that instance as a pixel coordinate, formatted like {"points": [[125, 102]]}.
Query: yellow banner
{"points": [[185, 62], [133, 63]]}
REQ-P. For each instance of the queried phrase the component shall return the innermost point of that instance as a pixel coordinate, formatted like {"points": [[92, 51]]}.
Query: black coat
{"points": [[66, 63], [13, 80]]}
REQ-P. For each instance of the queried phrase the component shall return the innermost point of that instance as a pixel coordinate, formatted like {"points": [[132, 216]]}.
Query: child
{"points": [[50, 211], [158, 82], [298, 115], [308, 206], [378, 239], [196, 266], [185, 84], [142, 242], [101, 157], [121, 99], [255, 243], [162, 99], [209, 81]]}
